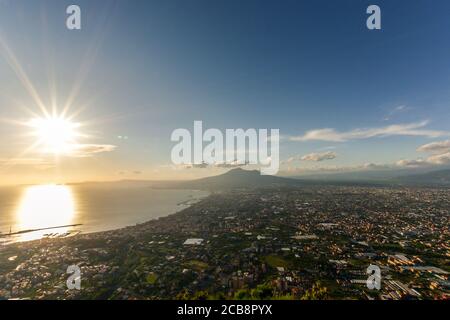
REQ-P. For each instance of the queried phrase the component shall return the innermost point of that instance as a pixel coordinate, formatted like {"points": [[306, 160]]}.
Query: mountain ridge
{"points": [[239, 178]]}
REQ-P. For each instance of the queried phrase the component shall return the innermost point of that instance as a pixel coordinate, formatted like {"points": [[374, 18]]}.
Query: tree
{"points": [[317, 292], [262, 292], [183, 295], [201, 295]]}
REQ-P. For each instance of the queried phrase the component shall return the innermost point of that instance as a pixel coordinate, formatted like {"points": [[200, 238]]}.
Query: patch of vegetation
{"points": [[276, 261], [151, 278], [197, 265]]}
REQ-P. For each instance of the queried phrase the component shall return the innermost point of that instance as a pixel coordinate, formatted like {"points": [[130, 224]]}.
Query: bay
{"points": [[64, 210]]}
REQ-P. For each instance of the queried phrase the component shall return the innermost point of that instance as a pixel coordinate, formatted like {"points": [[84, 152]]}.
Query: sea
{"points": [[55, 211]]}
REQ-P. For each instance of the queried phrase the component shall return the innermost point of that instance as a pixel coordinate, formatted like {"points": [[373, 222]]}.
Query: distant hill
{"points": [[233, 179], [381, 175], [238, 178], [433, 178]]}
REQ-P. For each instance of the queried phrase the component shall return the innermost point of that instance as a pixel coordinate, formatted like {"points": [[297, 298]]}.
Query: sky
{"points": [[344, 97]]}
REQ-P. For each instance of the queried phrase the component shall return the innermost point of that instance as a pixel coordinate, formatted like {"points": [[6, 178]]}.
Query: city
{"points": [[273, 243]]}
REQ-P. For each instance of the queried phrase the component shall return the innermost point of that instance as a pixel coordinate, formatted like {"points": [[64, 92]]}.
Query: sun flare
{"points": [[55, 134], [45, 206]]}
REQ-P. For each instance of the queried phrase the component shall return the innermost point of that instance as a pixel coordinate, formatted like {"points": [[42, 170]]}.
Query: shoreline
{"points": [[179, 207]]}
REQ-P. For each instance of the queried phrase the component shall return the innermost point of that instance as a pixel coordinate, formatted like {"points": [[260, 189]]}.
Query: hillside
{"points": [[433, 178], [239, 178]]}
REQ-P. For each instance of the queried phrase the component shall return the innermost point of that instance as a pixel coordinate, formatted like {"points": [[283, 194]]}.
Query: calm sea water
{"points": [[96, 208]]}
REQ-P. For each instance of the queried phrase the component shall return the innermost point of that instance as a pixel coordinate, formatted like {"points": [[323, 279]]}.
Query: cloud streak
{"points": [[204, 165], [409, 129], [88, 150], [319, 156], [439, 159], [412, 163], [436, 147], [440, 155]]}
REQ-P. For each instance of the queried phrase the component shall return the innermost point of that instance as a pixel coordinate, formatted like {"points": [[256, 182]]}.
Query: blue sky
{"points": [[145, 68]]}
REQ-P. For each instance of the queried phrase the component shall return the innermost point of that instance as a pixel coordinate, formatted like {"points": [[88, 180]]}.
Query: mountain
{"points": [[238, 178], [233, 179], [433, 178]]}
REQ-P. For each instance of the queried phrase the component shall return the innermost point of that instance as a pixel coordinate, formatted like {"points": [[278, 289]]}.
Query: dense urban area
{"points": [[274, 243]]}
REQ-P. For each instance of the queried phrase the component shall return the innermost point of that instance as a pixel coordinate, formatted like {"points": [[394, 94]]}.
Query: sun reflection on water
{"points": [[45, 206]]}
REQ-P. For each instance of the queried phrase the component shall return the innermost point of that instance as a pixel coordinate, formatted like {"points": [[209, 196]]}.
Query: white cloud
{"points": [[436, 147], [230, 165], [88, 150], [440, 151], [374, 166], [396, 110], [319, 156], [411, 129], [411, 163], [439, 158], [204, 165]]}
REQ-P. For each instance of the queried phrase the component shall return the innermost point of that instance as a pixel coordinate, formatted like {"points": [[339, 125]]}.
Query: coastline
{"points": [[177, 208]]}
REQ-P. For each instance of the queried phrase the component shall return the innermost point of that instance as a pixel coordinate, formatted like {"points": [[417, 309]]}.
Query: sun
{"points": [[55, 135]]}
